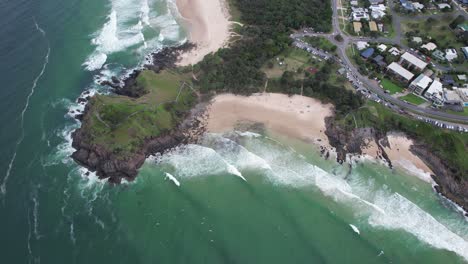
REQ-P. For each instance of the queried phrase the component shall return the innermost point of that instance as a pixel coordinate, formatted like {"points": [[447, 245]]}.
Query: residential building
{"points": [[380, 61], [462, 77], [418, 6], [447, 80], [360, 45], [439, 55], [443, 6], [465, 52], [367, 53], [428, 72], [354, 3], [373, 26], [378, 11], [357, 26], [417, 40], [451, 54], [382, 47], [463, 93], [463, 27], [359, 14], [399, 72], [376, 2], [429, 46], [412, 62], [407, 5], [435, 93], [394, 51], [420, 84]]}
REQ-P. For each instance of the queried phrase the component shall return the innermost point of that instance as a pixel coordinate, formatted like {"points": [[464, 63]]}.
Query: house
{"points": [[447, 80], [463, 93], [462, 77], [412, 62], [429, 46], [381, 27], [452, 97], [420, 84], [399, 72], [439, 55], [357, 26], [378, 11], [418, 6], [367, 53], [359, 13], [382, 47], [407, 5], [451, 54], [376, 2], [360, 45], [463, 27], [417, 40], [354, 3], [380, 61], [444, 6], [394, 51], [435, 93], [465, 51], [373, 26]]}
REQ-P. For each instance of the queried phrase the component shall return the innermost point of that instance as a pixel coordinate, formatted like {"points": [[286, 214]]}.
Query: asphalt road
{"points": [[372, 85]]}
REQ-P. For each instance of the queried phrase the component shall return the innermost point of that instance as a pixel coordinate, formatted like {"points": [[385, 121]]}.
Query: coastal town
{"points": [[417, 72]]}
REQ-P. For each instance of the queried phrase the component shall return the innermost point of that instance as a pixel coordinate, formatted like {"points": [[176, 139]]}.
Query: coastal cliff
{"points": [[150, 111]]}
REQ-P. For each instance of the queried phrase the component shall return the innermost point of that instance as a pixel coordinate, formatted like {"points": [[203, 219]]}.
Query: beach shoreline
{"points": [[208, 26]]}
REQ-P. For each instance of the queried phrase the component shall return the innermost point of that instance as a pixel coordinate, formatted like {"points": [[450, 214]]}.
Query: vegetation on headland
{"points": [[122, 124], [448, 145], [265, 35]]}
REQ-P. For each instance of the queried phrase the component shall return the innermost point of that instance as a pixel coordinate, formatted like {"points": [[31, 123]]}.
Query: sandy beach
{"points": [[295, 116], [207, 22], [400, 155]]}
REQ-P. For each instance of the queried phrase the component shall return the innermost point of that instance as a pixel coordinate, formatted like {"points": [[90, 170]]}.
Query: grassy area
{"points": [[438, 31], [412, 99], [391, 87], [121, 124], [321, 43], [464, 113], [447, 144], [292, 59]]}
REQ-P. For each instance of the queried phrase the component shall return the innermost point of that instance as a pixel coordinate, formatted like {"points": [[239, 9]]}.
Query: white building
{"points": [[443, 5], [394, 51], [418, 6], [382, 47], [354, 3], [400, 72], [359, 13], [417, 40], [435, 93], [429, 46], [360, 45], [420, 84], [451, 54], [378, 11], [412, 61]]}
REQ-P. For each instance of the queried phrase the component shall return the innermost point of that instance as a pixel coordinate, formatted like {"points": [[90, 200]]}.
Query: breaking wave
{"points": [[134, 25], [218, 155]]}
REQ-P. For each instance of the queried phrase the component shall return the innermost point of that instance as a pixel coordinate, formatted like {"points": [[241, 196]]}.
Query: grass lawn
{"points": [[121, 124], [321, 43], [464, 113], [413, 99], [292, 59], [390, 86], [438, 30]]}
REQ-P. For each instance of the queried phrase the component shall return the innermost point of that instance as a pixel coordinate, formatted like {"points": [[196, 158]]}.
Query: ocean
{"points": [[233, 198]]}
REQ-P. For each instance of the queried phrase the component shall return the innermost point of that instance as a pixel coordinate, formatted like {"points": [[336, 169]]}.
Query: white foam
{"points": [[405, 215], [234, 171], [173, 179], [124, 31], [355, 229], [23, 112]]}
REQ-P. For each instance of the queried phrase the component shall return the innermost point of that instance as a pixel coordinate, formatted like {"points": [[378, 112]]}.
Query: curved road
{"points": [[375, 88]]}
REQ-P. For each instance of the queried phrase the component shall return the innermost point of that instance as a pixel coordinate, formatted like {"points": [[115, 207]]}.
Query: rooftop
{"points": [[414, 60], [397, 68]]}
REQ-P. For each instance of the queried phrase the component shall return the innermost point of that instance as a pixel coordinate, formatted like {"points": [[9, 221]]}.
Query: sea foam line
{"points": [[26, 106]]}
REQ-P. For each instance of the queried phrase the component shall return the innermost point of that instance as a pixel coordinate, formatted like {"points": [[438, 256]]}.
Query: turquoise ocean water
{"points": [[243, 198]]}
